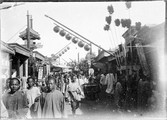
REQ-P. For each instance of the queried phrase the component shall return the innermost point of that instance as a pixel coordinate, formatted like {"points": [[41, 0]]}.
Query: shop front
{"points": [[19, 61], [6, 53]]}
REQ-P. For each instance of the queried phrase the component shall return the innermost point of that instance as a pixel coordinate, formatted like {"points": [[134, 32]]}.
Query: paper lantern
{"points": [[138, 25], [74, 40], [106, 27], [80, 44], [60, 54], [68, 48], [62, 33], [65, 50], [110, 9], [108, 19], [123, 23], [128, 5], [56, 29], [68, 36], [117, 22], [87, 47], [128, 23]]}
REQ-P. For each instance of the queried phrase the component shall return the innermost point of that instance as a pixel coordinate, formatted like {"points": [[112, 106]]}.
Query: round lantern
{"points": [[68, 36], [128, 23], [87, 47], [108, 20], [74, 40], [65, 50], [56, 29], [106, 27], [128, 5], [110, 9], [62, 33], [117, 22], [60, 54], [68, 48], [80, 44], [123, 22], [138, 25]]}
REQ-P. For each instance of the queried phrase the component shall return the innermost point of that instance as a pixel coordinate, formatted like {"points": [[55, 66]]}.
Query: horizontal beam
{"points": [[78, 34]]}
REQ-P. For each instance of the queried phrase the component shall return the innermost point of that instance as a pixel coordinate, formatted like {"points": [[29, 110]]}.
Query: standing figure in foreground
{"points": [[54, 101], [15, 100], [75, 93], [32, 92]]}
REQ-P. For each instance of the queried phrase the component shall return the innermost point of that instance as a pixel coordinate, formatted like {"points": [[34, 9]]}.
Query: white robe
{"points": [[110, 82]]}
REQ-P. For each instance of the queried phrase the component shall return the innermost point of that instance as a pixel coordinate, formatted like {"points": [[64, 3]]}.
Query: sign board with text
{"points": [[40, 73]]}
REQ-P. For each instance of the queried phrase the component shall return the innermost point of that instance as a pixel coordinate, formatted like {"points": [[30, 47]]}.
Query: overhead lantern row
{"points": [[60, 53], [71, 37]]}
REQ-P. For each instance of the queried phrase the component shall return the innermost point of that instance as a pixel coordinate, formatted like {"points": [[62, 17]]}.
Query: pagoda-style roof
{"points": [[33, 34]]}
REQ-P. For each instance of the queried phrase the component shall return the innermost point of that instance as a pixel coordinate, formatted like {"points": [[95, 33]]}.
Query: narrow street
{"points": [[108, 56], [104, 109]]}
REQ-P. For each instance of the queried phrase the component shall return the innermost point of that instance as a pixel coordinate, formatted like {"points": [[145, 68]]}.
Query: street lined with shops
{"points": [[122, 82]]}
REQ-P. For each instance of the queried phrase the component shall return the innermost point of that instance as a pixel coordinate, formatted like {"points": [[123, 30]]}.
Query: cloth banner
{"points": [[142, 59]]}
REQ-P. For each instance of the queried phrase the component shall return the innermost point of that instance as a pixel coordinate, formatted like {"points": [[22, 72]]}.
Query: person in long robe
{"points": [[117, 94], [76, 94], [54, 102], [110, 82], [32, 92], [15, 101]]}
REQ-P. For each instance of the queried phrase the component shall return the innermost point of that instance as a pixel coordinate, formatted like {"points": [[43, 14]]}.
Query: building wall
{"points": [[5, 68], [5, 65]]}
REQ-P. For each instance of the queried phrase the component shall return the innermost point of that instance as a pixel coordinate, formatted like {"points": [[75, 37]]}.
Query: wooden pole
{"points": [[28, 31]]}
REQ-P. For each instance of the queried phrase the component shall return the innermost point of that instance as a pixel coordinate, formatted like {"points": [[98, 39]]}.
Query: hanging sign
{"points": [[40, 73]]}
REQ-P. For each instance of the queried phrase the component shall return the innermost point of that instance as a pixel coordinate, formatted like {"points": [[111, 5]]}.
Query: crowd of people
{"points": [[43, 99], [47, 98], [130, 92]]}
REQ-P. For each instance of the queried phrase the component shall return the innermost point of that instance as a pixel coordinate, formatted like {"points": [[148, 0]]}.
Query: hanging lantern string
{"points": [[117, 37], [63, 48], [79, 35], [119, 34], [114, 52], [118, 63], [72, 34]]}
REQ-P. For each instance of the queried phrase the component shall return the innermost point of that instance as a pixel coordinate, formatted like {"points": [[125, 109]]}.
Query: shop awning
{"points": [[38, 55], [102, 57], [99, 65], [57, 68], [20, 49], [6, 48]]}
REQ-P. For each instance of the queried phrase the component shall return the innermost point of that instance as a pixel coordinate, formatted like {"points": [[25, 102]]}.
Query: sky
{"points": [[87, 19]]}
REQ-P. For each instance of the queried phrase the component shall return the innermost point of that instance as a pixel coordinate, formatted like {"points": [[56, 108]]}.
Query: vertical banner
{"points": [[142, 58], [40, 73]]}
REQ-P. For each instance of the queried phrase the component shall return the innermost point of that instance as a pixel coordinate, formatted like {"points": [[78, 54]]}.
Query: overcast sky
{"points": [[87, 19]]}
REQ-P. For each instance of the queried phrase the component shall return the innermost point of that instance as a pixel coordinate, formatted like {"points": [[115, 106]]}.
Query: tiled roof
{"points": [[33, 34]]}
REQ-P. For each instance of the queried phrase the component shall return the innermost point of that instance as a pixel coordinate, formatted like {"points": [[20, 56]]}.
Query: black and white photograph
{"points": [[98, 60]]}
